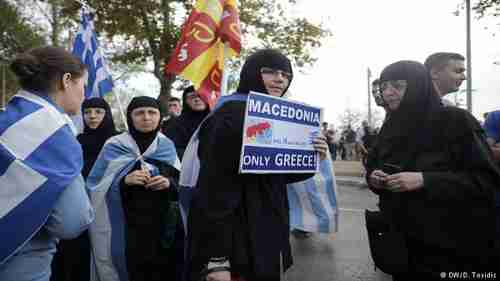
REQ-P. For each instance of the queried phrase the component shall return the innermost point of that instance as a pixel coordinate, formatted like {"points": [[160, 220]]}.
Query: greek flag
{"points": [[39, 157], [107, 233], [313, 202], [87, 49]]}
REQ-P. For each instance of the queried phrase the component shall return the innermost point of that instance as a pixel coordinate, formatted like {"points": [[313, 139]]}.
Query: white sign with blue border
{"points": [[278, 135]]}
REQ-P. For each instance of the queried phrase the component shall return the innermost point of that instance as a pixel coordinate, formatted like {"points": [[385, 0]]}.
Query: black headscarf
{"points": [[143, 140], [409, 127], [250, 76], [92, 140], [183, 127]]}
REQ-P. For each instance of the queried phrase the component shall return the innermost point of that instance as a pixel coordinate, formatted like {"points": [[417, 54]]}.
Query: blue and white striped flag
{"points": [[39, 157], [86, 47], [107, 233], [313, 202]]}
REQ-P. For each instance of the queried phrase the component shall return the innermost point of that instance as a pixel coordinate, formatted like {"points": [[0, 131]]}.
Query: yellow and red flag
{"points": [[199, 55]]}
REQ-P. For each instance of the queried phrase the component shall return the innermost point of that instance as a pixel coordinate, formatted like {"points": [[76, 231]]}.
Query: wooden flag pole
{"points": [[225, 73], [4, 88]]}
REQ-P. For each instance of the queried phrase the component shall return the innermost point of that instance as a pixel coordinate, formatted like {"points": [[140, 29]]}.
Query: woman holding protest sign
{"points": [[238, 225]]}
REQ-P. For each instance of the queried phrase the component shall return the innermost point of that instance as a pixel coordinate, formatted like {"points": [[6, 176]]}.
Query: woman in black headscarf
{"points": [[238, 225], [434, 175], [98, 128], [194, 110], [147, 199], [71, 261]]}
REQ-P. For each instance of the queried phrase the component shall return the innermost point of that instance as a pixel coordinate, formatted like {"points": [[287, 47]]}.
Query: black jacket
{"points": [[240, 216]]}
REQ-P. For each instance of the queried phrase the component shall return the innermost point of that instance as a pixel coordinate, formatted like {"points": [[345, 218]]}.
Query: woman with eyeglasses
{"points": [[435, 178], [238, 225]]}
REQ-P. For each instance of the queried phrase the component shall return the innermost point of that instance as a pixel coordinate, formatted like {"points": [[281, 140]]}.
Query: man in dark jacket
{"points": [[239, 223]]}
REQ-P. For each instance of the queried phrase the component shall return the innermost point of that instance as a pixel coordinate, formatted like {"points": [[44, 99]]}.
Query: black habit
{"points": [[242, 217], [449, 223], [150, 215]]}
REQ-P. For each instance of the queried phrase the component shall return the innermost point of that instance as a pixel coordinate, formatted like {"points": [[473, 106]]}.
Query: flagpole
{"points": [[4, 87], [120, 107], [225, 73]]}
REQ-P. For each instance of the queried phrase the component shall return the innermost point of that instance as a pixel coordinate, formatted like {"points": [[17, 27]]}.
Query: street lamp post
{"points": [[469, 64], [369, 75]]}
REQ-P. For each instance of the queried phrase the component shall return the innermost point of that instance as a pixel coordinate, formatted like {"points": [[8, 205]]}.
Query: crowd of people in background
{"points": [[433, 166], [350, 144]]}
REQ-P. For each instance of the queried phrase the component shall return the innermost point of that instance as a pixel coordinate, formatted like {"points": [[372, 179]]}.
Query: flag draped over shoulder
{"points": [[39, 158], [313, 202], [107, 233], [86, 47], [199, 55]]}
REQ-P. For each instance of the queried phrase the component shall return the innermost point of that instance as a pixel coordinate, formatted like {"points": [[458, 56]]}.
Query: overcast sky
{"points": [[376, 33]]}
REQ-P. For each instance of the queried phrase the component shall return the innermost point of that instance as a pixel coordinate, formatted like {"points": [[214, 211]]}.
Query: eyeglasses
{"points": [[271, 71], [399, 85]]}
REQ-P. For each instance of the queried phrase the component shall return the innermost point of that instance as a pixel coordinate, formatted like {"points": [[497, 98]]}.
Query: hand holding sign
{"points": [[321, 146]]}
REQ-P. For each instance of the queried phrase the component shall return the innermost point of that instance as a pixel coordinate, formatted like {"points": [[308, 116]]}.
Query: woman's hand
{"points": [[377, 179], [219, 276], [321, 146], [158, 183], [137, 177], [404, 182]]}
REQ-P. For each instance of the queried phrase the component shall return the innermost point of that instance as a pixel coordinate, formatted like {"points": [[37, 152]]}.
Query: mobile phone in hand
{"points": [[391, 169]]}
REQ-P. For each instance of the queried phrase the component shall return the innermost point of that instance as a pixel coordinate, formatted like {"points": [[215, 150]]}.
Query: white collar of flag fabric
{"points": [[35, 166], [107, 233], [86, 47]]}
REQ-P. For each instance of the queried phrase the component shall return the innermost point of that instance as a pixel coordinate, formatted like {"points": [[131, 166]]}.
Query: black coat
{"points": [[150, 227], [450, 222], [240, 216]]}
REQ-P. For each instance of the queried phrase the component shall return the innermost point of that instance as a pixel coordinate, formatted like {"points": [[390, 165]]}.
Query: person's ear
{"points": [[65, 81]]}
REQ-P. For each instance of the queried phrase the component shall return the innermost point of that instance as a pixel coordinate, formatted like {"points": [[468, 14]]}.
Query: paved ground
{"points": [[348, 168], [343, 256]]}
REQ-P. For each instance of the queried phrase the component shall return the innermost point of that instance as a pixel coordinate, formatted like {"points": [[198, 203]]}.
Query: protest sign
{"points": [[278, 135]]}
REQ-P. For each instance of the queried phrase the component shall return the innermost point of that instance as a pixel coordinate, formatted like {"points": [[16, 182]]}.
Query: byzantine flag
{"points": [[199, 55]]}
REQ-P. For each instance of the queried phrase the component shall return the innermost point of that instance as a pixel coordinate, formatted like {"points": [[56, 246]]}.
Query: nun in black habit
{"points": [[150, 213], [183, 127], [435, 177], [72, 259], [95, 133], [238, 225]]}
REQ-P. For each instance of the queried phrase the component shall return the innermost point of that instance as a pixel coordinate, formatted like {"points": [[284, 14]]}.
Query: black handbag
{"points": [[387, 244]]}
